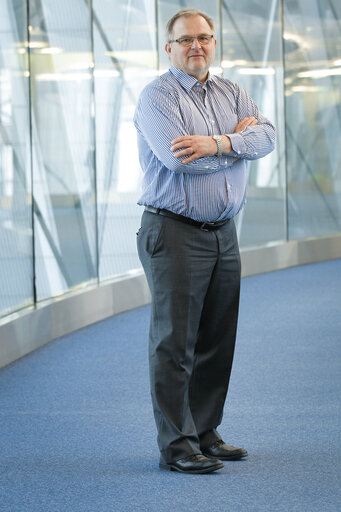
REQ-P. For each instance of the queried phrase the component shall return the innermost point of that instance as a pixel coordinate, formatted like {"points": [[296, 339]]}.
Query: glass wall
{"points": [[62, 145], [125, 61], [70, 76], [312, 46], [252, 56], [16, 246]]}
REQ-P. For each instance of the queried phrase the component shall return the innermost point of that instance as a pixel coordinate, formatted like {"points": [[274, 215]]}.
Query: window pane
{"points": [[63, 145], [313, 116], [252, 57], [16, 266], [125, 61]]}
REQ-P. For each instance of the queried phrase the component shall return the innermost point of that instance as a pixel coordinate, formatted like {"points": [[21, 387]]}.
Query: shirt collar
{"points": [[187, 81]]}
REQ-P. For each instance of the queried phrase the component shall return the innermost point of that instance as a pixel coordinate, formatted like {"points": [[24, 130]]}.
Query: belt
{"points": [[205, 226]]}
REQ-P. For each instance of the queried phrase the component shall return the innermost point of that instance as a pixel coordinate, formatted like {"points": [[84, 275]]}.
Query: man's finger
{"points": [[184, 152], [178, 140], [189, 159], [182, 147], [179, 145]]}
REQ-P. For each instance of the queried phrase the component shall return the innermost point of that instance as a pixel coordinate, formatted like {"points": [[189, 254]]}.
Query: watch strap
{"points": [[217, 138]]}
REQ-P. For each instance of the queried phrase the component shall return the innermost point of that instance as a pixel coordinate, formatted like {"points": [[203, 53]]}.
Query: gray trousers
{"points": [[194, 279]]}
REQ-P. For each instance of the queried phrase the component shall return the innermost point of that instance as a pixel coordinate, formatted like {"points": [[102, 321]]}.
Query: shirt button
{"points": [[238, 152]]}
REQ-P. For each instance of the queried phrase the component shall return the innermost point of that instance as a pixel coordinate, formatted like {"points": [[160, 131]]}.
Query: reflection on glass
{"points": [[16, 264], [125, 60], [252, 57], [63, 145], [313, 116]]}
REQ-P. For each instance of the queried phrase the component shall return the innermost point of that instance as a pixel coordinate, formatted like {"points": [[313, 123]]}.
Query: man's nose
{"points": [[196, 43]]}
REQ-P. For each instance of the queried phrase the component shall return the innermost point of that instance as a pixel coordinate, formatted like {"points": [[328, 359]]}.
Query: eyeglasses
{"points": [[188, 41]]}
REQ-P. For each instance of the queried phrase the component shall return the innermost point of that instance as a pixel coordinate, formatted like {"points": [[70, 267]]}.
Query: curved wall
{"points": [[70, 75]]}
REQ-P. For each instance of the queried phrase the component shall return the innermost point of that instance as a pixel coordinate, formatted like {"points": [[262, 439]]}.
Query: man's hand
{"points": [[196, 146], [247, 121]]}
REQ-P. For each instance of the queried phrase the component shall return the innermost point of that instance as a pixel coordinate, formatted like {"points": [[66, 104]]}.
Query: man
{"points": [[195, 133]]}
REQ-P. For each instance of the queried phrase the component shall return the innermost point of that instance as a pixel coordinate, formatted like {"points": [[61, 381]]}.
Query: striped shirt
{"points": [[209, 188]]}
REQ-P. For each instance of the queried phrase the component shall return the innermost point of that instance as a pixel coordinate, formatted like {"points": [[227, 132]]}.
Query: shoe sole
{"points": [[231, 457], [171, 467]]}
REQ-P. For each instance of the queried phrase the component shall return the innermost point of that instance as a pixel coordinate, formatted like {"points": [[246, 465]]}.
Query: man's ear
{"points": [[168, 48]]}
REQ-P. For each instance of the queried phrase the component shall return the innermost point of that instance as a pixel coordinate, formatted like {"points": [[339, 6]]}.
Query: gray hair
{"points": [[186, 13]]}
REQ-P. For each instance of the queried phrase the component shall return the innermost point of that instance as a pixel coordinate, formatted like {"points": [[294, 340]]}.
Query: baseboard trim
{"points": [[23, 332]]}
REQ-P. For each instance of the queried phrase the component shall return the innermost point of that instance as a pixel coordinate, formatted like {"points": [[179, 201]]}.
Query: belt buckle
{"points": [[202, 227]]}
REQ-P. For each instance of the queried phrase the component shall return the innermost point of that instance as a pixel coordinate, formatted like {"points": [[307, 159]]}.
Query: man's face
{"points": [[193, 60]]}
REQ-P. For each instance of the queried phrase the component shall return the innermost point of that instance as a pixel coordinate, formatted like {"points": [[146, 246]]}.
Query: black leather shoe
{"points": [[193, 464], [220, 450]]}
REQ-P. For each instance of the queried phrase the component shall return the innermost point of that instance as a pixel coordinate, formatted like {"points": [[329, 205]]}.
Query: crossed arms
{"points": [[198, 146], [165, 124]]}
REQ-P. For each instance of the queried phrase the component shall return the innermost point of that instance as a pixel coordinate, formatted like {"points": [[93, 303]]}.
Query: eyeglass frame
{"points": [[211, 36]]}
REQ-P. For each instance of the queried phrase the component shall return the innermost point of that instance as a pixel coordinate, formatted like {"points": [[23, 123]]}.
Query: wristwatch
{"points": [[217, 138]]}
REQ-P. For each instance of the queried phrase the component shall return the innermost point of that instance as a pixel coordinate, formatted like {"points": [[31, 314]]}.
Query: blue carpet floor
{"points": [[77, 432]]}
